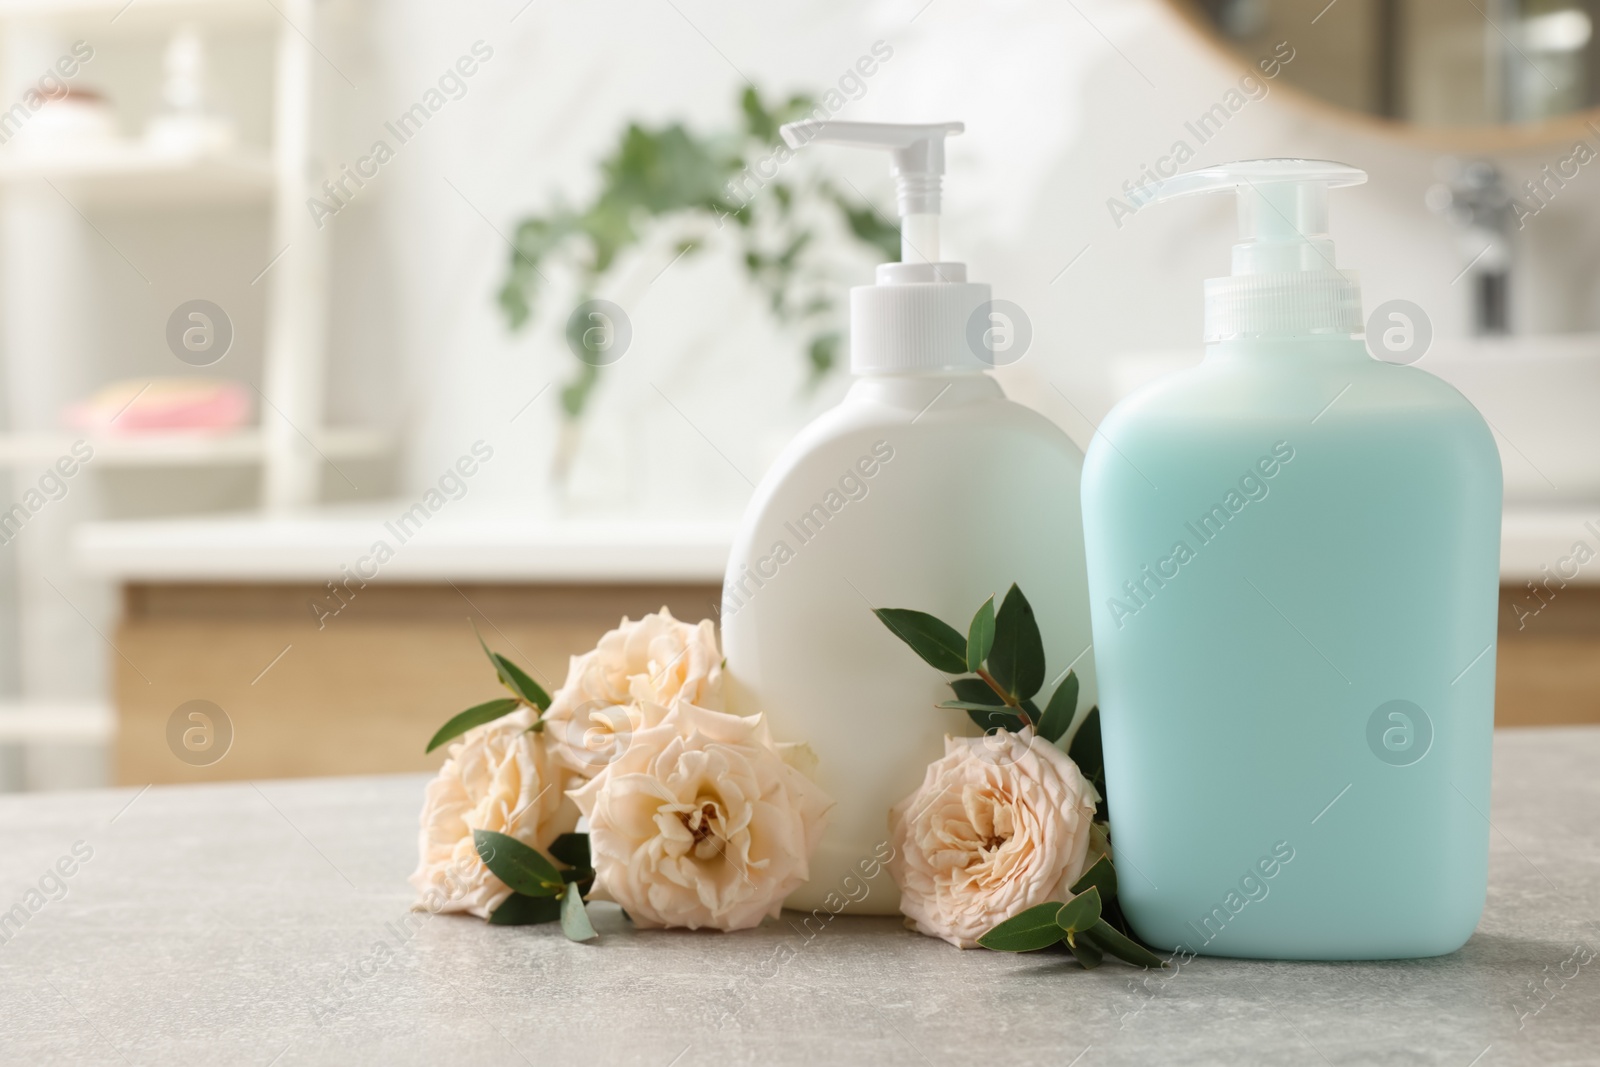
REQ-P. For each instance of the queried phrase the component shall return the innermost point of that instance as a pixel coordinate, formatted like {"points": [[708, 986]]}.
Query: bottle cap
{"points": [[1284, 281], [915, 318]]}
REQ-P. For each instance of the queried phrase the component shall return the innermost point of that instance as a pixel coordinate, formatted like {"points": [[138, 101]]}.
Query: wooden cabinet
{"points": [[356, 692], [361, 690], [1549, 667]]}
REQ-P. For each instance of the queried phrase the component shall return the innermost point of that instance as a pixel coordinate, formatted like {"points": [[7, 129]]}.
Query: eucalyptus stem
{"points": [[999, 691]]}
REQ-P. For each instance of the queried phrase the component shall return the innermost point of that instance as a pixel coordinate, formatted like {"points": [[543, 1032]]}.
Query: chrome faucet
{"points": [[1474, 197]]}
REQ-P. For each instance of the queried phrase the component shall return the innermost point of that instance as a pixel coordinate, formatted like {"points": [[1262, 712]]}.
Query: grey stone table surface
{"points": [[265, 923]]}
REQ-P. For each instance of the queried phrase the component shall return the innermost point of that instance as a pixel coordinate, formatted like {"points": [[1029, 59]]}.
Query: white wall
{"points": [[1061, 108], [1063, 104]]}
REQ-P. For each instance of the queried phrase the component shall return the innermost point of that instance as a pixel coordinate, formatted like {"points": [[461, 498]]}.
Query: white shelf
{"points": [[460, 543], [110, 173], [22, 722], [1533, 539], [240, 448], [105, 16], [128, 173]]}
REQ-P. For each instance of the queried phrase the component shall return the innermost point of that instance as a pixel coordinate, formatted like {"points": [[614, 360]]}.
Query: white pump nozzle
{"points": [[918, 318], [918, 150], [1284, 280]]}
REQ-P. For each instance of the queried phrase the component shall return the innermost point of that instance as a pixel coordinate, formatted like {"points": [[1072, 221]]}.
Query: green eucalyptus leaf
{"points": [[991, 719], [485, 646], [969, 705], [476, 715], [575, 393], [980, 636], [1121, 946], [523, 869], [513, 677], [983, 705], [1079, 913], [1086, 752], [1087, 951], [976, 691], [758, 121], [1033, 929], [519, 910], [574, 918], [571, 849], [663, 172], [936, 641], [870, 226], [1017, 658], [1058, 713], [1111, 915], [823, 353], [516, 679], [1102, 876], [1031, 711]]}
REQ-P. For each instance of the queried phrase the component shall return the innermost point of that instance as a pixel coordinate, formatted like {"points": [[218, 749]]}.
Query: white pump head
{"points": [[1284, 281], [916, 318], [918, 167]]}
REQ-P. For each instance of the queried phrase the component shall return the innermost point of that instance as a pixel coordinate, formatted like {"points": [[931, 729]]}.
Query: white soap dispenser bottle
{"points": [[924, 488]]}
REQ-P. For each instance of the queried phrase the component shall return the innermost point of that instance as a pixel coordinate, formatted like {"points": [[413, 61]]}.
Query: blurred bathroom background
{"points": [[285, 281]]}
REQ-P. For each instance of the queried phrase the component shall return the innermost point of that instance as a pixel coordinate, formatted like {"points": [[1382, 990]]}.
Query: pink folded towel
{"points": [[205, 405]]}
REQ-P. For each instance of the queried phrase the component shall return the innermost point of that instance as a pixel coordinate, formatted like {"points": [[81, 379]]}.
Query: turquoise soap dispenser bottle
{"points": [[1293, 556]]}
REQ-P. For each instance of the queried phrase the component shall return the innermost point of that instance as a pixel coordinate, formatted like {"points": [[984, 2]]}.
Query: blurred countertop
{"points": [[525, 548], [248, 922]]}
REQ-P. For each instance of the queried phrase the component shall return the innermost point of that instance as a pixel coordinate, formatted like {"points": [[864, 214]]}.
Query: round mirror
{"points": [[1526, 68]]}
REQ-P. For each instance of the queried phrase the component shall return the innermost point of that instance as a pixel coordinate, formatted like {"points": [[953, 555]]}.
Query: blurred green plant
{"points": [[669, 172]]}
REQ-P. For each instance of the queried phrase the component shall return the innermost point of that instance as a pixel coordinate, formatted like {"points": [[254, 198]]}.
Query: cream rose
{"points": [[1000, 824], [700, 822], [499, 776], [625, 684]]}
